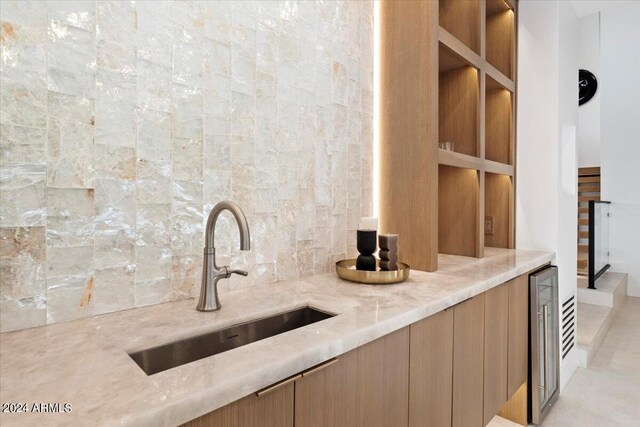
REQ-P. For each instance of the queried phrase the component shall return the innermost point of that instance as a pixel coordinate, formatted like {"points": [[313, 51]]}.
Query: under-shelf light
{"points": [[376, 109]]}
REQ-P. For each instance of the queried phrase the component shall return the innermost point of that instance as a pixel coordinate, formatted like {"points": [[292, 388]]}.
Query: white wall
{"points": [[546, 208], [568, 117], [588, 49], [536, 190], [620, 128]]}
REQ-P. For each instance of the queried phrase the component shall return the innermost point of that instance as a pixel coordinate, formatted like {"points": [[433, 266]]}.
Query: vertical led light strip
{"points": [[376, 109]]}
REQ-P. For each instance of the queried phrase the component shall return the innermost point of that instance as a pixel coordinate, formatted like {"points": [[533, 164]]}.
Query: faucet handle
{"points": [[240, 272]]}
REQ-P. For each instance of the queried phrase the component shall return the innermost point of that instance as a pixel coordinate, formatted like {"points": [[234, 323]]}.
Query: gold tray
{"points": [[346, 270]]}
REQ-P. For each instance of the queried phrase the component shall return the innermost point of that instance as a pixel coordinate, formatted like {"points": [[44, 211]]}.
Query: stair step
{"points": [[583, 210], [582, 263], [583, 248], [593, 323], [583, 234], [583, 272], [589, 189], [588, 198], [583, 221], [583, 179], [589, 171], [611, 288]]}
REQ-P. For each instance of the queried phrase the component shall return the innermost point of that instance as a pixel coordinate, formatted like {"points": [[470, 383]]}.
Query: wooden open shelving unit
{"points": [[441, 201]]}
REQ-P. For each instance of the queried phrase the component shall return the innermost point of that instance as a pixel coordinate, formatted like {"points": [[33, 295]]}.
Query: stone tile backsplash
{"points": [[122, 123]]}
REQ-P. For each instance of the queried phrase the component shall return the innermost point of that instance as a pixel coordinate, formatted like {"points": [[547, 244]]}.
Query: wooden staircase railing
{"points": [[588, 189]]}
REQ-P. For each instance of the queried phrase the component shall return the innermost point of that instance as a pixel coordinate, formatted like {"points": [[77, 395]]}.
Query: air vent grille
{"points": [[568, 325]]}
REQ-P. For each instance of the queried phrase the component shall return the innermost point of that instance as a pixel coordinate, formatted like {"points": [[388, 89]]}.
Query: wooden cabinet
{"points": [[271, 409], [468, 357], [431, 370], [365, 387], [518, 333], [496, 317], [455, 368], [467, 361]]}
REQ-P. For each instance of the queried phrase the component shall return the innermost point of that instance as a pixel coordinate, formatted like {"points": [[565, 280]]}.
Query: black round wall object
{"points": [[587, 86]]}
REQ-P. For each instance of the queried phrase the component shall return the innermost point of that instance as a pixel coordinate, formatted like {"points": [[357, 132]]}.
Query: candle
{"points": [[388, 251], [368, 223]]}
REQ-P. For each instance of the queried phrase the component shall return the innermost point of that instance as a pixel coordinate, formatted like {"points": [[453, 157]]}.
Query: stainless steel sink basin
{"points": [[167, 356]]}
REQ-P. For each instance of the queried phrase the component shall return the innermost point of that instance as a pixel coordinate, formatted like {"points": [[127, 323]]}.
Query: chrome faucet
{"points": [[211, 273]]}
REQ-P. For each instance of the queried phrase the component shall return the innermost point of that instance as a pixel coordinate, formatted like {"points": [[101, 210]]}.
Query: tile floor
{"points": [[607, 394]]}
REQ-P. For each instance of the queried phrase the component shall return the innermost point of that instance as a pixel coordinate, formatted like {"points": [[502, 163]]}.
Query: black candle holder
{"points": [[366, 245]]}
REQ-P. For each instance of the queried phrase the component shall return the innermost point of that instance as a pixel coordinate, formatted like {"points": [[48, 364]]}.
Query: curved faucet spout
{"points": [[211, 273], [241, 220]]}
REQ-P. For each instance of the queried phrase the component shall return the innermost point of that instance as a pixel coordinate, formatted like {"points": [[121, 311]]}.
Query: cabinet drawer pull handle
{"points": [[277, 385], [319, 367]]}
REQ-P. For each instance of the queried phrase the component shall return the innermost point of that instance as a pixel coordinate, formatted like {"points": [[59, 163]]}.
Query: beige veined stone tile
{"points": [[187, 111], [186, 218], [186, 273], [152, 292], [217, 152], [187, 158], [22, 196], [153, 262], [154, 37], [24, 103], [115, 118], [188, 54], [70, 108], [114, 289], [115, 162], [70, 155], [153, 224], [70, 217], [23, 313], [153, 141], [70, 297], [22, 263], [79, 14], [217, 57], [153, 178], [21, 145], [154, 86]]}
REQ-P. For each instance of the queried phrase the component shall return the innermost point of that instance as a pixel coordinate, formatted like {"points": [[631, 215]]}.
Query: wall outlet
{"points": [[488, 225]]}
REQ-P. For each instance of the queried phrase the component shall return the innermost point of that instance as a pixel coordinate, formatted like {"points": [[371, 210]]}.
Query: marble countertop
{"points": [[85, 362]]}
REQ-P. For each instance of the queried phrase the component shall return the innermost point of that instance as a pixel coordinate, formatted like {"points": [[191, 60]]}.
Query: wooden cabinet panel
{"points": [[368, 386], [431, 369], [408, 132], [326, 397], [518, 333], [468, 356], [496, 317], [273, 409]]}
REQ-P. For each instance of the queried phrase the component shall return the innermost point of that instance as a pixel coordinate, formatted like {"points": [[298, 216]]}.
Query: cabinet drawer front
{"points": [[496, 317], [431, 367], [273, 409], [468, 357], [367, 386], [518, 333]]}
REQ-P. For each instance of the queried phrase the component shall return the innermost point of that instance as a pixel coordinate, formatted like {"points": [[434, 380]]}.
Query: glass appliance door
{"points": [[544, 341]]}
